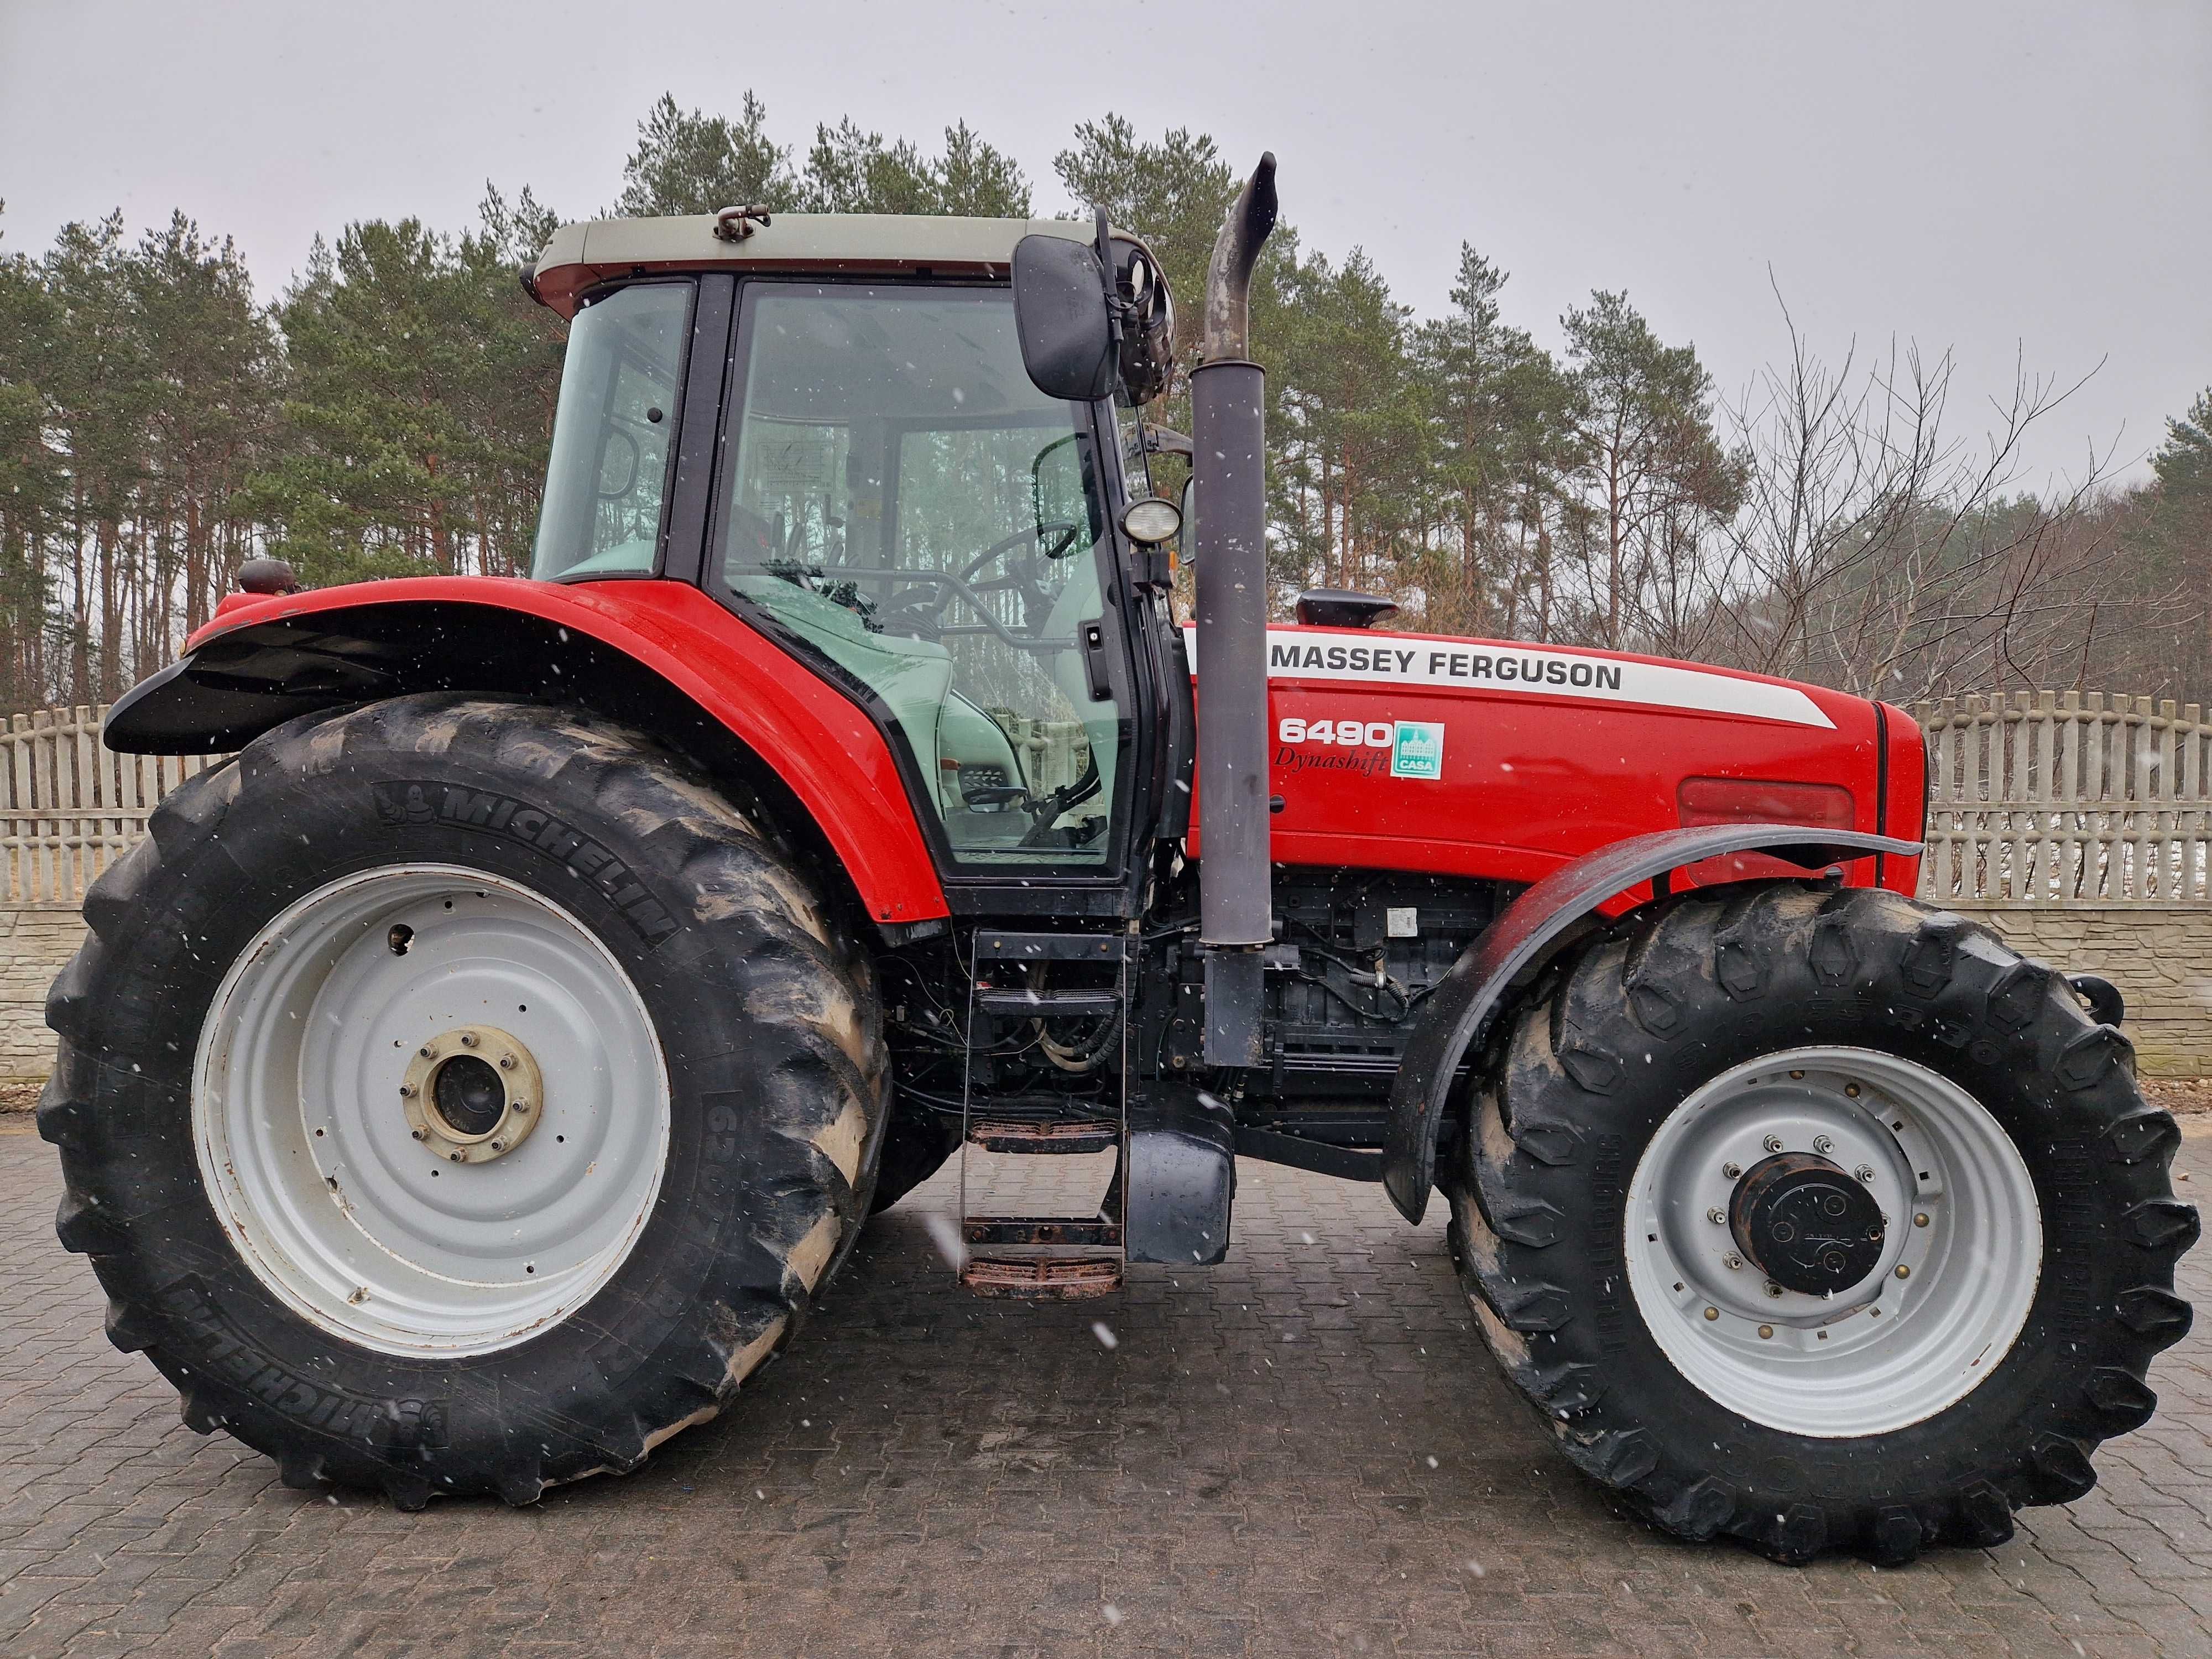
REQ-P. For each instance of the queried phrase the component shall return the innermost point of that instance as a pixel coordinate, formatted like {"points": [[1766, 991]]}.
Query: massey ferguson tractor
{"points": [[469, 1084]]}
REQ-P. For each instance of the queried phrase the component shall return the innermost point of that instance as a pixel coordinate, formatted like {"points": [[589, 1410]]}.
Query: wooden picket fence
{"points": [[2072, 798], [68, 808], [2040, 798]]}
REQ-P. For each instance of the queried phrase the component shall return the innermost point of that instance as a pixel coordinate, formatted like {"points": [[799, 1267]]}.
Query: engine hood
{"points": [[1486, 758]]}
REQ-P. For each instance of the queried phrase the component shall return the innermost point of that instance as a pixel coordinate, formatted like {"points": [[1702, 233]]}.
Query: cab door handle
{"points": [[1094, 663]]}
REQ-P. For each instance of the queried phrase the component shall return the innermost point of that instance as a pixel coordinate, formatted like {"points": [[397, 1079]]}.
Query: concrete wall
{"points": [[2160, 958], [35, 941]]}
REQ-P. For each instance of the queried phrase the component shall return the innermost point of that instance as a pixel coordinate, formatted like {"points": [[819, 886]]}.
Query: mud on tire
{"points": [[1573, 1093], [763, 1008]]}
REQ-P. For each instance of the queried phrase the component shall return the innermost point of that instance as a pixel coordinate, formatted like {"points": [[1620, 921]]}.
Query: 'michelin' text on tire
{"points": [[457, 1096]]}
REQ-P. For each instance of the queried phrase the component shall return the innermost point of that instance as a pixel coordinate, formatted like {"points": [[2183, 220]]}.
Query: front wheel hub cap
{"points": [[1807, 1223], [1854, 1325]]}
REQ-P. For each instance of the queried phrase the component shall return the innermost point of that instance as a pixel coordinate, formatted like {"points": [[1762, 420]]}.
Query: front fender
{"points": [[654, 653], [1458, 1014]]}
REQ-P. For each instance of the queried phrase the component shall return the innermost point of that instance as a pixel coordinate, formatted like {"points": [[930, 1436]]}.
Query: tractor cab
{"points": [[879, 485]]}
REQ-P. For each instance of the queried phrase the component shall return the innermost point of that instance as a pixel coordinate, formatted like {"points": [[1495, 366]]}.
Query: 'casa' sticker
{"points": [[1418, 750]]}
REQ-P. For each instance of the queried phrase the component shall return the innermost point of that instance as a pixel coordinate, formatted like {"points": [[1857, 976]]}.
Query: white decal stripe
{"points": [[1526, 671]]}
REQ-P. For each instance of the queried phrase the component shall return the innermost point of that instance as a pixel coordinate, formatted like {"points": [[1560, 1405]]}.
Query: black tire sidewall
{"points": [[706, 1274], [2019, 1072]]}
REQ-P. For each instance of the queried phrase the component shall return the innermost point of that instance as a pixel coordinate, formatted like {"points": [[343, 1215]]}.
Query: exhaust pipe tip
{"points": [[1227, 335]]}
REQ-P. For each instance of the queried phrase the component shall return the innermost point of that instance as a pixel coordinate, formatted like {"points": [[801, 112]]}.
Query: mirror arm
{"points": [[1115, 305], [1161, 440]]}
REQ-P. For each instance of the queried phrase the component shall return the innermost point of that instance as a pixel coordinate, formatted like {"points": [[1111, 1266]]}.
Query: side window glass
{"points": [[606, 483], [913, 512]]}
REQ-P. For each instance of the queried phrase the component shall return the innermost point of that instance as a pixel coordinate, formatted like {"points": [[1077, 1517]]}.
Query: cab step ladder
{"points": [[1044, 1257]]}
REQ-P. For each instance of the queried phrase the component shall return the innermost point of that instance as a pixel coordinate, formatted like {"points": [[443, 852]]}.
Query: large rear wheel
{"points": [[457, 1096], [1821, 1219]]}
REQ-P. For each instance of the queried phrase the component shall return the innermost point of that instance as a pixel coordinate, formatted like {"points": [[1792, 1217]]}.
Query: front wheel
{"points": [[1821, 1219], [459, 1097]]}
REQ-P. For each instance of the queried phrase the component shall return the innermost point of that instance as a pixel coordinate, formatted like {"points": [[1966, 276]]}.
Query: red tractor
{"points": [[468, 1086]]}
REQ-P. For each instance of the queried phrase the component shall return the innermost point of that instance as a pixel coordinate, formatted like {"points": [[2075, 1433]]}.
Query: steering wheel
{"points": [[1060, 534], [919, 609]]}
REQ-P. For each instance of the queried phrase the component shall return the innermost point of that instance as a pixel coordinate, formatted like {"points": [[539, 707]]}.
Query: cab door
{"points": [[905, 512]]}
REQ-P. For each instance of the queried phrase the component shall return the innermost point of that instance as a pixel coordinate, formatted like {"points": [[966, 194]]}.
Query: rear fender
{"points": [[658, 655], [1458, 1015]]}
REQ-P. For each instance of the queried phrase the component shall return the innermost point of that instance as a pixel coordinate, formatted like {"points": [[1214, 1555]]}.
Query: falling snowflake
{"points": [[945, 1233]]}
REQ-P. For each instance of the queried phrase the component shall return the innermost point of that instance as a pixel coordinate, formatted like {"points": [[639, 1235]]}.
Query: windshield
{"points": [[606, 483], [910, 506]]}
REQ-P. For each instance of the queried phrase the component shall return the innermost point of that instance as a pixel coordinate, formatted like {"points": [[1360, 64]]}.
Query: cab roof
{"points": [[582, 255]]}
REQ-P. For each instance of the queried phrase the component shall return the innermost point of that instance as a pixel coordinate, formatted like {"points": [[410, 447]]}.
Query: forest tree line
{"points": [[387, 413]]}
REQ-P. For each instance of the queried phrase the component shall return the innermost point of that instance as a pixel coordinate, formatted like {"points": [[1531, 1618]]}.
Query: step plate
{"points": [[1043, 1230], [999, 1135], [1043, 1279]]}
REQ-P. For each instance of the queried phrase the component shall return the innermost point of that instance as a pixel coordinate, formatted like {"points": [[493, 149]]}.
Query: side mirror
{"points": [[617, 467], [1187, 538], [1059, 317]]}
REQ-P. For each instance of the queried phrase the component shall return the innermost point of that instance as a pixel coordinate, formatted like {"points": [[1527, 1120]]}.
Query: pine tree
{"points": [[1503, 434], [1651, 470], [699, 163]]}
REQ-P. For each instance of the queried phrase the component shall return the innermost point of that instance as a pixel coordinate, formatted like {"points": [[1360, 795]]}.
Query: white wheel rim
{"points": [[1891, 1350], [304, 1140]]}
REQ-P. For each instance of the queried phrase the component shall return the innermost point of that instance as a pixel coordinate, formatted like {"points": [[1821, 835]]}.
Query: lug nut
{"points": [[1731, 1171], [1797, 1076], [1772, 1143], [1731, 1262], [499, 1145], [468, 1039], [426, 1051], [1864, 1172], [1764, 1331], [1852, 1089], [1773, 1289], [521, 1105], [1712, 1313], [507, 1062], [417, 1133], [1920, 1220], [1821, 1143], [1903, 1271], [1718, 1218], [453, 1156], [407, 1091]]}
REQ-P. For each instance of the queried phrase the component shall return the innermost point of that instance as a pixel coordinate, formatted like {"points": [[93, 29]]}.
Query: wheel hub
{"points": [[473, 1094], [368, 1074], [1807, 1223], [1823, 1323]]}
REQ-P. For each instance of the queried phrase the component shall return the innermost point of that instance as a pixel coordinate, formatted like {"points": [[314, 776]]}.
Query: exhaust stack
{"points": [[1228, 395]]}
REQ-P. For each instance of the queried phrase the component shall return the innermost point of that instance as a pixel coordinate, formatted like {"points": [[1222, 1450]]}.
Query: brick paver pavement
{"points": [[1304, 1451]]}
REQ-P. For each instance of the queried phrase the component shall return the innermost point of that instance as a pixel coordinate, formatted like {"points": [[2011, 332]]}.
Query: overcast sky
{"points": [[2025, 179]]}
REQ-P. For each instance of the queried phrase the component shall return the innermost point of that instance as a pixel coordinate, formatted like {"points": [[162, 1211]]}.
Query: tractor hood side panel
{"points": [[1471, 757]]}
